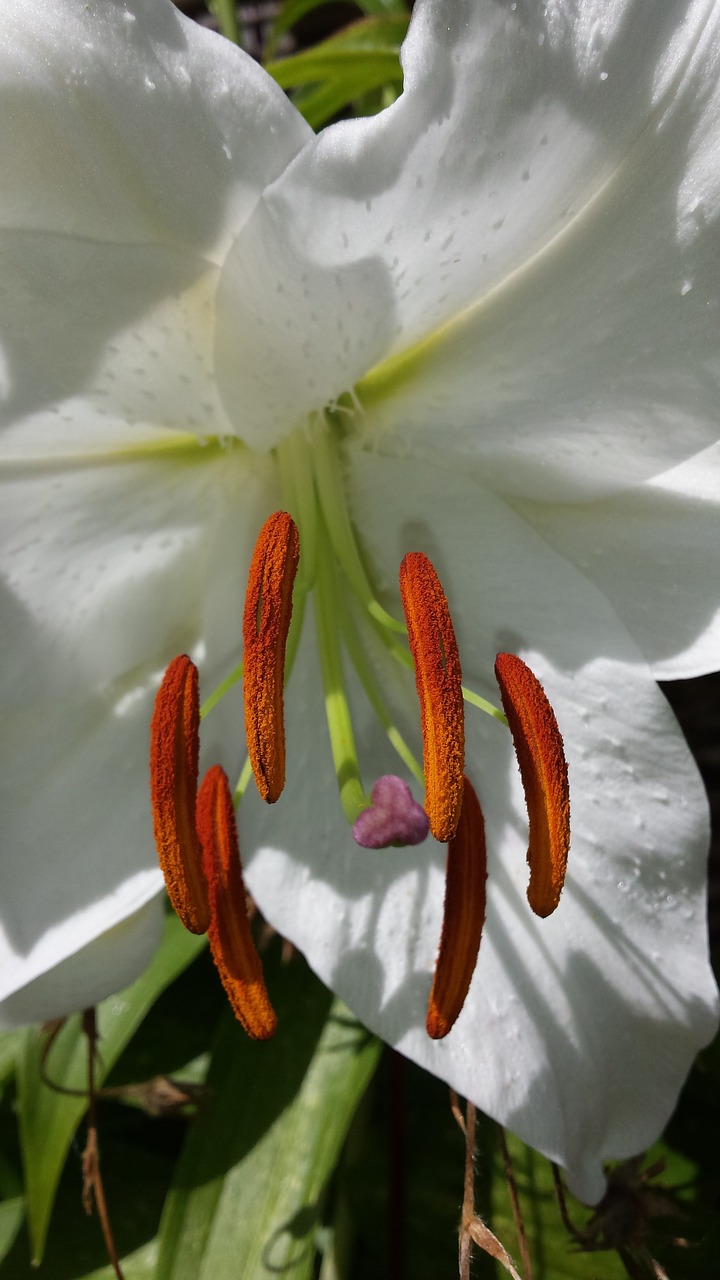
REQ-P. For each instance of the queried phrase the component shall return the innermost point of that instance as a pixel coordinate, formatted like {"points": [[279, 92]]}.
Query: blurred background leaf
{"points": [[345, 68]]}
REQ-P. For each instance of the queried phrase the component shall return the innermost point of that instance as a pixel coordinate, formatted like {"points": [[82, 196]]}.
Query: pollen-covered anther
{"points": [[174, 748], [231, 943], [266, 622], [463, 917], [543, 769], [439, 686]]}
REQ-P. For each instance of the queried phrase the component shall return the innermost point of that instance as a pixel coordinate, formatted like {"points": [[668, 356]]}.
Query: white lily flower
{"points": [[505, 289]]}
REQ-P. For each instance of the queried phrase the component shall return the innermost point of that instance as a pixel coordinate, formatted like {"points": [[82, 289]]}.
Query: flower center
{"points": [[315, 551]]}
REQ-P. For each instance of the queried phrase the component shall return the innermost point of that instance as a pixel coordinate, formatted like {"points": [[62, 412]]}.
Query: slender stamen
{"points": [[328, 477], [231, 944], [268, 610], [439, 687], [543, 769], [361, 663], [174, 748], [463, 917], [328, 591]]}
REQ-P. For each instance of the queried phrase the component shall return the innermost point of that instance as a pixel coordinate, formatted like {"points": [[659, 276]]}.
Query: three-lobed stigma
{"points": [[196, 832]]}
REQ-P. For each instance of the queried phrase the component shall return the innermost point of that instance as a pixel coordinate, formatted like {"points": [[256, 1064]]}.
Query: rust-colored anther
{"points": [[543, 769], [463, 917], [174, 748], [231, 944], [268, 609], [439, 685]]}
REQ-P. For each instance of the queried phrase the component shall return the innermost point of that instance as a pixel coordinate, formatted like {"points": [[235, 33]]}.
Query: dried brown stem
{"points": [[515, 1202], [567, 1222], [92, 1179], [472, 1229], [457, 1113]]}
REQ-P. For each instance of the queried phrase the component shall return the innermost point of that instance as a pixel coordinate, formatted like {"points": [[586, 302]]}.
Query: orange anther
{"points": [[268, 609], [231, 944], [543, 769], [463, 917], [438, 679], [174, 747]]}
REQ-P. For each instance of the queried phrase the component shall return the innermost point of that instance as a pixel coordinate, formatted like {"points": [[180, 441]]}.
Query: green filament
{"points": [[375, 698], [331, 493], [243, 782], [235, 676], [337, 710]]}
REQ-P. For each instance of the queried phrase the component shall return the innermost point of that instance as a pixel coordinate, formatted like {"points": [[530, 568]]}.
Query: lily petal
{"points": [[149, 556], [106, 384], [665, 536], [128, 123], [527, 153]]}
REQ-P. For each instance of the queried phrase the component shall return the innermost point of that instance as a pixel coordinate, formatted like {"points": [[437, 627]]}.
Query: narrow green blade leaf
{"points": [[293, 10], [323, 102], [251, 1179], [10, 1045], [383, 6], [226, 13], [48, 1119], [11, 1216], [291, 13], [376, 40], [344, 69]]}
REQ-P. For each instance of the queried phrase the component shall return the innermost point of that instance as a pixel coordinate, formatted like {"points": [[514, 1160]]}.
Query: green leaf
{"points": [[250, 1183], [12, 1212], [136, 1266], [226, 13], [343, 68], [553, 1252], [382, 6], [291, 12], [10, 1045], [49, 1119]]}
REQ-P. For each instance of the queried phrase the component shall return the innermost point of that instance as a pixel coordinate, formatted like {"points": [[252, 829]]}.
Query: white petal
{"points": [[128, 122], [291, 336], [107, 964], [653, 552], [109, 570], [579, 1030], [104, 347], [525, 210]]}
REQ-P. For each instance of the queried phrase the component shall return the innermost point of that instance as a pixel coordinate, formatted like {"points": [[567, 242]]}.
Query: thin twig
{"points": [[92, 1178], [457, 1113], [472, 1228], [568, 1224], [468, 1207], [516, 1210]]}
